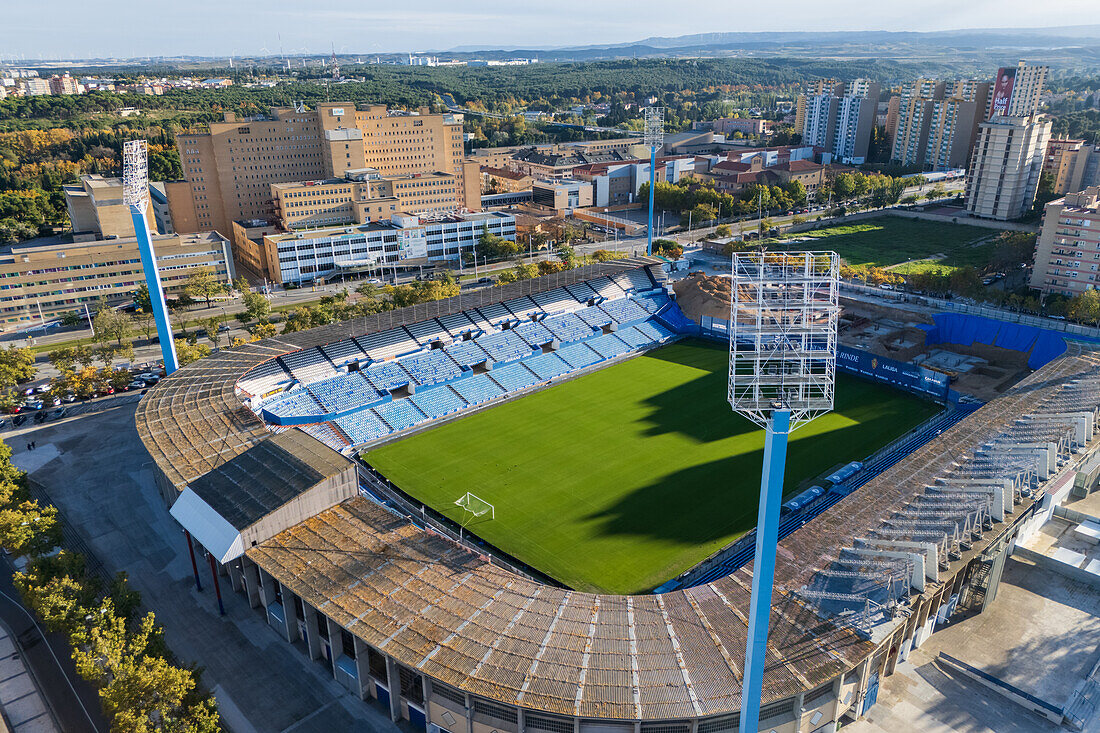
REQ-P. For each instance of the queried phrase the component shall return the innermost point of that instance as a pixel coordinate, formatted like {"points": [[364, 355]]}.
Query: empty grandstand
{"points": [[441, 636], [534, 340]]}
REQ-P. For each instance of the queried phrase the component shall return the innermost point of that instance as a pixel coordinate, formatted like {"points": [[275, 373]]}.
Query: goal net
{"points": [[476, 507]]}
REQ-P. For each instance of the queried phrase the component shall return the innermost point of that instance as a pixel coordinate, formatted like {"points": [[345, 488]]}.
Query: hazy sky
{"points": [[128, 28]]}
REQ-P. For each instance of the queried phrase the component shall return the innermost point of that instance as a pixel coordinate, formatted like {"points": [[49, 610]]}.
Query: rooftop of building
{"points": [[63, 242], [377, 226], [503, 173]]}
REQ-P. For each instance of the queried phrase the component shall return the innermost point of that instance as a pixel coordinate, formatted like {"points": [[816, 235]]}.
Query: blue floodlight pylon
{"points": [[763, 570]]}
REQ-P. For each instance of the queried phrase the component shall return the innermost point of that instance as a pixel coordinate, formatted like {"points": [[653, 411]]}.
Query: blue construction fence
{"points": [[910, 377], [1041, 345]]}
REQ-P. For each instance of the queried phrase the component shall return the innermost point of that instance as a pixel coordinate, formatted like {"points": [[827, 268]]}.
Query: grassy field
{"points": [[889, 240], [626, 477]]}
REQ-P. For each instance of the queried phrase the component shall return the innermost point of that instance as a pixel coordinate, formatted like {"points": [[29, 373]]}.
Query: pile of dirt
{"points": [[704, 295]]}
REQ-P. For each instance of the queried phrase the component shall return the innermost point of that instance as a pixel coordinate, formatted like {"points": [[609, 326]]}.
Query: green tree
{"points": [[203, 284], [16, 366], [110, 325], [187, 352], [142, 300], [256, 308], [213, 326]]}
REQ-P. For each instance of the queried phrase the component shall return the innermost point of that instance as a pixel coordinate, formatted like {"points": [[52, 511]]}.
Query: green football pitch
{"points": [[625, 477]]}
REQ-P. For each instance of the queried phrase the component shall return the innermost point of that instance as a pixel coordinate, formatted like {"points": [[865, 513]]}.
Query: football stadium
{"points": [[530, 507]]}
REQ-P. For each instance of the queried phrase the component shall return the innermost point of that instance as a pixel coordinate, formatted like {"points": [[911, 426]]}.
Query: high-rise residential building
{"points": [[840, 120], [813, 89], [230, 167], [938, 122], [64, 84], [910, 139], [1016, 91], [893, 113], [953, 124], [1005, 166], [1067, 253], [1073, 165], [35, 86]]}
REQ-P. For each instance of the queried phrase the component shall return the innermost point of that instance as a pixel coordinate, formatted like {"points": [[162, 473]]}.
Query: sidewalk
{"points": [[21, 703]]}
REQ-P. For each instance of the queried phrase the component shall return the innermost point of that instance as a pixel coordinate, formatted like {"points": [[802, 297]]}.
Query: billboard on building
{"points": [[1002, 92]]}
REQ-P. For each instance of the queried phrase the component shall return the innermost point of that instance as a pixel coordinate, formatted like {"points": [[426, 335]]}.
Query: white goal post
{"points": [[476, 506]]}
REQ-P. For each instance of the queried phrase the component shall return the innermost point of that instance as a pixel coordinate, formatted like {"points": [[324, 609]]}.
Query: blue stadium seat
{"points": [[386, 375], [608, 345], [568, 327], [578, 356], [438, 401], [431, 367], [504, 346], [477, 389], [634, 338], [299, 403], [466, 353], [547, 366], [344, 392], [400, 414], [624, 310], [362, 426], [533, 333], [593, 316], [513, 377]]}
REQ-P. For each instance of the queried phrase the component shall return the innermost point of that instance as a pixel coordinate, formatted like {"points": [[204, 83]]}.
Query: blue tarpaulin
{"points": [[965, 330]]}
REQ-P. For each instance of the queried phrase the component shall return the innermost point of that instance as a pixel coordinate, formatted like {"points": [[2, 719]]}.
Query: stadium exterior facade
{"points": [[443, 637]]}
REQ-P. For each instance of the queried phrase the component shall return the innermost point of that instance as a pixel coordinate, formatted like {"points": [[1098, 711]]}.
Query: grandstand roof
{"points": [[250, 486], [446, 611]]}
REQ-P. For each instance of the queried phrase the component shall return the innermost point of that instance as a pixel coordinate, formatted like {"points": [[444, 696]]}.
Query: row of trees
{"points": [[115, 648], [370, 299], [699, 201], [567, 259]]}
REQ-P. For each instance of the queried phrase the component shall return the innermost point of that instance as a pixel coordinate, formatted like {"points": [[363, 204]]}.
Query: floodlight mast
{"points": [[783, 328], [654, 137], [135, 194]]}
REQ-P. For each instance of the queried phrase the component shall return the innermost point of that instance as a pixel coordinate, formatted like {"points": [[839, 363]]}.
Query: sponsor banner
{"points": [[891, 371], [1002, 92]]}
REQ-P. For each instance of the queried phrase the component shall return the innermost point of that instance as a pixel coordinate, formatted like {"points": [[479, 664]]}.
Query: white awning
{"points": [[213, 532]]}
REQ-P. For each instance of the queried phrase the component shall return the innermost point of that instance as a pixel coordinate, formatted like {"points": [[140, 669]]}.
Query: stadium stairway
{"points": [[743, 550]]}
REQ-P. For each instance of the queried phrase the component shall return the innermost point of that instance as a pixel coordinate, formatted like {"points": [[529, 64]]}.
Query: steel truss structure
{"points": [[783, 336]]}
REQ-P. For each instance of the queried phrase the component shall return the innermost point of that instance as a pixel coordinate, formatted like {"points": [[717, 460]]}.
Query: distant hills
{"points": [[1073, 46]]}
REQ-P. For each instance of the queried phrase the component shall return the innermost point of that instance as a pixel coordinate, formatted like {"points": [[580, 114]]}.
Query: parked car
{"points": [[136, 384], [59, 413], [19, 420], [149, 378], [68, 398], [35, 404]]}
